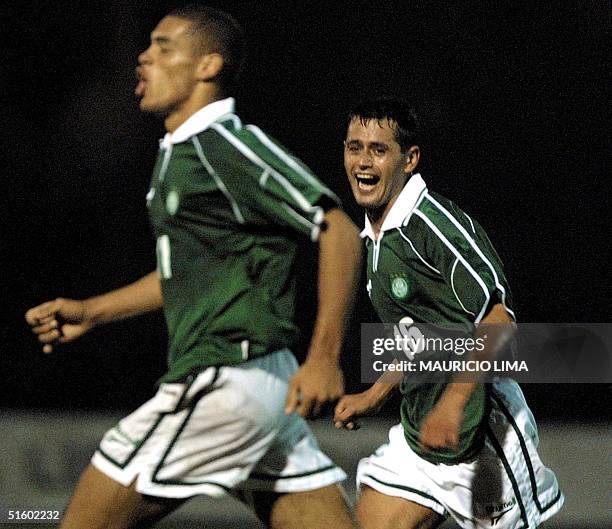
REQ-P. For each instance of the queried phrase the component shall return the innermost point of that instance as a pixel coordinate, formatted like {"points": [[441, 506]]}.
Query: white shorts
{"points": [[224, 430], [505, 486]]}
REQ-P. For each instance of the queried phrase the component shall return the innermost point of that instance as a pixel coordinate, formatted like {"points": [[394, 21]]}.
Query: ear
{"points": [[413, 155], [210, 66]]}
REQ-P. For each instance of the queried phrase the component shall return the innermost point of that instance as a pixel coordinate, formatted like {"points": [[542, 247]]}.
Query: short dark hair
{"points": [[218, 32], [400, 116]]}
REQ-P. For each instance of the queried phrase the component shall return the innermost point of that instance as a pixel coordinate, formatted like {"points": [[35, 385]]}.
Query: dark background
{"points": [[513, 102]]}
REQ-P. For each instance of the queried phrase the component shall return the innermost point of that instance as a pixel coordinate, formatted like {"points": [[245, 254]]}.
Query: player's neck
{"points": [[199, 99], [377, 216]]}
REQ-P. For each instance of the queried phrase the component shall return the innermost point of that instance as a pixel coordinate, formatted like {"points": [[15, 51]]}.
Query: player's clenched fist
{"points": [[58, 321], [441, 426], [354, 406], [313, 385]]}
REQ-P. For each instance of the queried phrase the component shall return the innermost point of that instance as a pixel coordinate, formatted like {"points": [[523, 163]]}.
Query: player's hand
{"points": [[316, 383], [58, 321], [351, 407], [442, 425]]}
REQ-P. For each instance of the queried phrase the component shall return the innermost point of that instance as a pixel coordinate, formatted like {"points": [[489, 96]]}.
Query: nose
{"points": [[365, 161], [144, 57]]}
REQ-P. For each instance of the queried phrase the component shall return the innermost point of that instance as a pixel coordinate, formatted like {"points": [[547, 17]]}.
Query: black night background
{"points": [[513, 100]]}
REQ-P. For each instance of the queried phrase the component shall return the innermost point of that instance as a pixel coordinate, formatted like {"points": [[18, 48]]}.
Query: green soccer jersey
{"points": [[434, 264], [229, 207]]}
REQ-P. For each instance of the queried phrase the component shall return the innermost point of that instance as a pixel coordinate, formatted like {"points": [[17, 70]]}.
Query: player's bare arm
{"points": [[441, 427], [320, 379], [369, 402], [64, 320]]}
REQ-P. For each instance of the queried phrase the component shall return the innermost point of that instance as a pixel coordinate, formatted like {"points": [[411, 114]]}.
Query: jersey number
{"points": [[164, 257]]}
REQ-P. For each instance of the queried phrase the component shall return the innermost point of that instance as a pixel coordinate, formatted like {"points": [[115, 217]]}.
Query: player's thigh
{"points": [[380, 511], [99, 502], [312, 509]]}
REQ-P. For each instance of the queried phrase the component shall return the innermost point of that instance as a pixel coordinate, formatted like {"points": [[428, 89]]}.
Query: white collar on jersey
{"points": [[199, 121], [405, 203]]}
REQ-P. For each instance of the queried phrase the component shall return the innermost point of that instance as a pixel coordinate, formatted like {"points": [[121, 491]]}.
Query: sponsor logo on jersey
{"points": [[495, 519], [495, 511], [399, 285], [172, 202]]}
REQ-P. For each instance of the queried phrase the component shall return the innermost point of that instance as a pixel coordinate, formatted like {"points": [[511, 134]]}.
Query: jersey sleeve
{"points": [[456, 247], [268, 184]]}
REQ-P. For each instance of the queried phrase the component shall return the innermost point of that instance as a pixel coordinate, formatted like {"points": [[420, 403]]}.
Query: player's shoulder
{"points": [[229, 143], [436, 221], [245, 140], [270, 155], [225, 131], [241, 136], [434, 203], [443, 214]]}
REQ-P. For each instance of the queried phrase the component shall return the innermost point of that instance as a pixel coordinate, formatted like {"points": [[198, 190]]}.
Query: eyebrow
{"points": [[379, 145], [158, 39], [374, 144]]}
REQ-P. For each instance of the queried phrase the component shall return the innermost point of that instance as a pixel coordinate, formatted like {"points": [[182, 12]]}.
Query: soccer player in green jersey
{"points": [[463, 448], [229, 207]]}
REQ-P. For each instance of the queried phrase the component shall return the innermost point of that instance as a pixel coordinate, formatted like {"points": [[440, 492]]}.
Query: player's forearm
{"points": [[339, 267], [132, 300], [494, 333], [382, 389]]}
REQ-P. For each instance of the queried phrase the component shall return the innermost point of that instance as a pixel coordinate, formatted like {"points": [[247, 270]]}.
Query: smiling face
{"points": [[168, 69], [376, 167]]}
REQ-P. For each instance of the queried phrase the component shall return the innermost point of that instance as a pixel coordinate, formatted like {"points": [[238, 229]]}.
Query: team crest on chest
{"points": [[172, 202], [399, 285]]}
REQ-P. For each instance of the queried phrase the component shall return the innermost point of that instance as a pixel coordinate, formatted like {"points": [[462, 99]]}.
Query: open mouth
{"points": [[142, 84], [140, 88], [366, 181]]}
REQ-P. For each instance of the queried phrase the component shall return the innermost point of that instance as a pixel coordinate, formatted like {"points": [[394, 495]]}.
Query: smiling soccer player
{"points": [[468, 450]]}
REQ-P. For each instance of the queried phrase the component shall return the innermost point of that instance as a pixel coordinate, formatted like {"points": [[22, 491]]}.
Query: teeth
{"points": [[366, 181]]}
